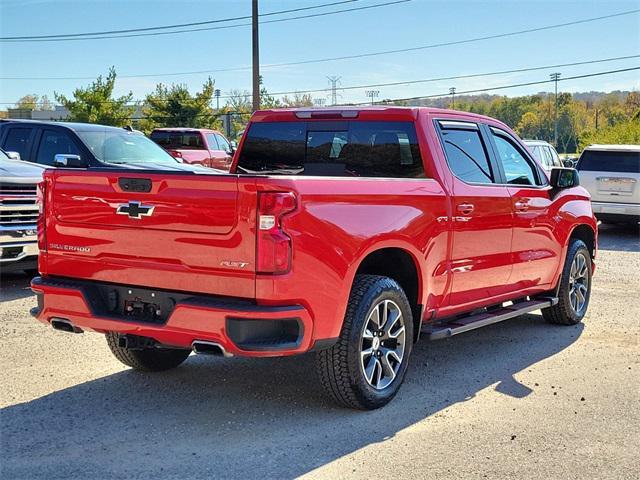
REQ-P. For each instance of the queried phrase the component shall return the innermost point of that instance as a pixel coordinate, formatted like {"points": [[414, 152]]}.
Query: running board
{"points": [[464, 324]]}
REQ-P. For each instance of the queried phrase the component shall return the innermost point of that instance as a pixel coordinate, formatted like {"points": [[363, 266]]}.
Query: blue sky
{"points": [[418, 22]]}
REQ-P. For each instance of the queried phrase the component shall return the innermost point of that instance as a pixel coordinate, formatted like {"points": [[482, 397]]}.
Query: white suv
{"points": [[611, 173], [544, 153]]}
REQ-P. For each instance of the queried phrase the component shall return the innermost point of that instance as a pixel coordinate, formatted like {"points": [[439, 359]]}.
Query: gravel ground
{"points": [[521, 399]]}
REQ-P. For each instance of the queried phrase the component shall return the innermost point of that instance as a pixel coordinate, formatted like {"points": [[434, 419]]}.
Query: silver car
{"points": [[611, 174]]}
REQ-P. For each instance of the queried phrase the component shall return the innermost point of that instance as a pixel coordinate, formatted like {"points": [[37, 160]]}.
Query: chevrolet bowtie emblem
{"points": [[135, 210]]}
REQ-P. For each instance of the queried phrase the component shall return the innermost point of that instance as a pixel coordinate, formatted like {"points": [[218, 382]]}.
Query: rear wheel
{"points": [[147, 359], [575, 287], [367, 365]]}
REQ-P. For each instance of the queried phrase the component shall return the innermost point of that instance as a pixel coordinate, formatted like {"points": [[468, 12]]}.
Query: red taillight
{"points": [[175, 153], [40, 201], [274, 245]]}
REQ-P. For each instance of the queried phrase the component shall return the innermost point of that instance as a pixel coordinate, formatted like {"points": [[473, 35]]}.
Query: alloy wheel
{"points": [[383, 344]]}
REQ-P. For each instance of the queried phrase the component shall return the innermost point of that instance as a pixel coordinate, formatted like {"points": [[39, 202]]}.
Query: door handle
{"points": [[466, 208], [522, 206]]}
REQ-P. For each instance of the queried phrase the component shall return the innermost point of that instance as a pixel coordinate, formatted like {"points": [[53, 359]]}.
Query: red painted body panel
{"points": [[202, 239]]}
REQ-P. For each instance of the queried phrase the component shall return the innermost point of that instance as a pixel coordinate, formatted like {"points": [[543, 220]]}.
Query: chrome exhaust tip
{"points": [[64, 325], [204, 347]]}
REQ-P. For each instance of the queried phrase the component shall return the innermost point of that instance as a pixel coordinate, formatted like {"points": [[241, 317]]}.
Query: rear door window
{"points": [[19, 140], [466, 153], [54, 143], [344, 148], [611, 161]]}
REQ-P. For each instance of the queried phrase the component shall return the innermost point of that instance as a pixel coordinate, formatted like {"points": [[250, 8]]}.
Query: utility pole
{"points": [[256, 55], [216, 93], [372, 94], [334, 85], [596, 118], [452, 91], [555, 77]]}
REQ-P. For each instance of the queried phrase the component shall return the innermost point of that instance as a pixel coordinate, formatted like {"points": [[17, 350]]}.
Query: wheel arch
{"points": [[401, 265], [585, 233]]}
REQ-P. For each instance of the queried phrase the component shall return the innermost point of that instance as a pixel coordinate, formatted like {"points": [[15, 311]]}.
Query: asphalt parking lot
{"points": [[521, 399]]}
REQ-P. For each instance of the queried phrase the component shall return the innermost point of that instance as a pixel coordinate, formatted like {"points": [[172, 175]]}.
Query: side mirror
{"points": [[567, 163], [13, 155], [234, 146], [564, 178], [69, 160]]}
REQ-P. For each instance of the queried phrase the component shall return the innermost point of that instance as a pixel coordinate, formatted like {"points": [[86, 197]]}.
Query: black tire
{"points": [[148, 359], [339, 367], [564, 313]]}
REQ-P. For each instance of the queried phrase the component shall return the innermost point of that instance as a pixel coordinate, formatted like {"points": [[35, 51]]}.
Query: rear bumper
{"points": [[235, 325], [621, 211]]}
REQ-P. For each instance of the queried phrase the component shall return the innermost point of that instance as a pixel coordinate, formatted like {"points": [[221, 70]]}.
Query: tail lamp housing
{"points": [[273, 249]]}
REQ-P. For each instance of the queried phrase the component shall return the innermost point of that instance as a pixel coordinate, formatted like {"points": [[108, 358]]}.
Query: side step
{"points": [[459, 325]]}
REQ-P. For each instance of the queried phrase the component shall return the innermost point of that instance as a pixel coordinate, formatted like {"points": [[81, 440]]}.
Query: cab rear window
{"points": [[608, 161], [359, 149], [182, 140]]}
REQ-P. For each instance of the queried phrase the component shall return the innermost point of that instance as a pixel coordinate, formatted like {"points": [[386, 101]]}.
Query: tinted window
{"points": [[600, 161], [211, 140], [124, 147], [178, 140], [367, 149], [18, 140], [222, 143], [516, 167], [467, 156], [53, 143]]}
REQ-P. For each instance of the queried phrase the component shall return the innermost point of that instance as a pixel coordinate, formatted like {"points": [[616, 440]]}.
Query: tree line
{"points": [[582, 119]]}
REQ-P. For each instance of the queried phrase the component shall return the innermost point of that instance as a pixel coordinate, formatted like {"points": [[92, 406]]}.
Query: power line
{"points": [[154, 34], [503, 87], [177, 25], [335, 87], [349, 57]]}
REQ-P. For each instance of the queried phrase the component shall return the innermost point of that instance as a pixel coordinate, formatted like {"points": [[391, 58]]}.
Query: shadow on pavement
{"points": [[621, 238], [14, 286], [243, 418]]}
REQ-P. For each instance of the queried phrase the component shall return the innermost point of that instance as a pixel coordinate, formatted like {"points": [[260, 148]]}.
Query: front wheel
{"points": [[367, 365], [575, 287], [147, 359]]}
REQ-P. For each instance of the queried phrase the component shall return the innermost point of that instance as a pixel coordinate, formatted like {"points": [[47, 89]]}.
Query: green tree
{"points": [[95, 103], [298, 100], [175, 106], [28, 102]]}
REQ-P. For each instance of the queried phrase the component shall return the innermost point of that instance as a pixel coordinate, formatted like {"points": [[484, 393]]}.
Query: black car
{"points": [[82, 145]]}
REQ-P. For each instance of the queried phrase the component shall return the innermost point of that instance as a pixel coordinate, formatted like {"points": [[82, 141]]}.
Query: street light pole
{"points": [[256, 55], [555, 77]]}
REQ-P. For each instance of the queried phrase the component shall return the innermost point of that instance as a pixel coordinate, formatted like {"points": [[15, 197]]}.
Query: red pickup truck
{"points": [[198, 146], [343, 231]]}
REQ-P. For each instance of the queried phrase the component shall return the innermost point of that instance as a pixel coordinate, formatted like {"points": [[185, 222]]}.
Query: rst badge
{"points": [[135, 210]]}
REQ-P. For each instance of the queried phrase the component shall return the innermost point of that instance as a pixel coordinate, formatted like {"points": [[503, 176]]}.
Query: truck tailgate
{"points": [[193, 233]]}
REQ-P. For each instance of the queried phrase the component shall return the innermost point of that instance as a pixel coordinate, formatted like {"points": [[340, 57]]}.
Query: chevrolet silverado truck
{"points": [[347, 232], [18, 214]]}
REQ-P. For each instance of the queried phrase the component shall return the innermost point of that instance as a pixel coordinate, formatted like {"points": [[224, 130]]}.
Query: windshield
{"points": [[124, 147], [182, 140], [609, 161]]}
